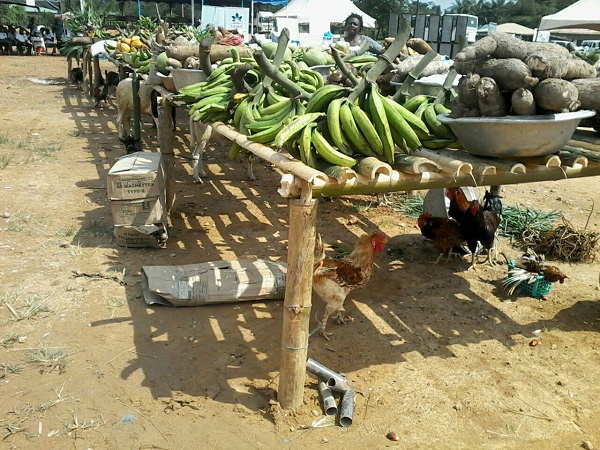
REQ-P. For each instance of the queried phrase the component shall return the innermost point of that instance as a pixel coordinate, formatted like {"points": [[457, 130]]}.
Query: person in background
{"points": [[5, 46], [354, 39], [32, 27], [58, 30], [22, 41], [49, 40]]}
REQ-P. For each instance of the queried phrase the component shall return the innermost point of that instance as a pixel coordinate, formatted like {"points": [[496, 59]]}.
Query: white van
{"points": [[590, 46]]}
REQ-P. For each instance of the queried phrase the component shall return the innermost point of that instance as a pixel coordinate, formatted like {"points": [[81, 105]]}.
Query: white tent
{"points": [[330, 11], [582, 14], [514, 28]]}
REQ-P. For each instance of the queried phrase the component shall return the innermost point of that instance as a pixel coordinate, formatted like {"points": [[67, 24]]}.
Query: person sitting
{"points": [[22, 41], [37, 41], [49, 41], [355, 40], [5, 45]]}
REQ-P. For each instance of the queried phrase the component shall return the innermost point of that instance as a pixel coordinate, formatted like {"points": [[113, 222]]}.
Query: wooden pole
{"points": [[165, 143], [297, 303], [137, 115]]}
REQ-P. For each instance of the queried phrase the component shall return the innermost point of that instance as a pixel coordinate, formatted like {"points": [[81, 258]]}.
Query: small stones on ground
{"points": [[587, 445], [392, 436]]}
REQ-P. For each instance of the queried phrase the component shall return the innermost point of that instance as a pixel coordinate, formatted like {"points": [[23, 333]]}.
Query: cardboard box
{"points": [[214, 282], [141, 211], [137, 175], [152, 235]]}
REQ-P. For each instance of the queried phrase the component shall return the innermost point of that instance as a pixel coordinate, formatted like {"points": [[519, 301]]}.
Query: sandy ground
{"points": [[436, 354]]}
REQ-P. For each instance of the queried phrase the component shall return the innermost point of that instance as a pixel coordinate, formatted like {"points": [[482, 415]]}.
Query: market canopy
{"points": [[515, 28], [331, 11], [582, 14]]}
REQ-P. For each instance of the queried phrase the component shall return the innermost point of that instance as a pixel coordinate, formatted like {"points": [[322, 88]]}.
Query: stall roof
{"points": [[48, 4], [581, 14]]}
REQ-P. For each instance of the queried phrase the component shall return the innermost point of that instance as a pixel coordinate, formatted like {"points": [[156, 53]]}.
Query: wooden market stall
{"points": [[422, 170]]}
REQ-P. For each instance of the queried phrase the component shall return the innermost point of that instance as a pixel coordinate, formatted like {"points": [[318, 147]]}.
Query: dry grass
{"points": [[49, 357], [34, 307], [9, 339]]}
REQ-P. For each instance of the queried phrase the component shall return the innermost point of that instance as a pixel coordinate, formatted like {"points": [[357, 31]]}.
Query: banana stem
{"points": [[446, 86], [383, 61], [342, 66], [271, 71], [204, 55], [413, 75], [237, 77]]}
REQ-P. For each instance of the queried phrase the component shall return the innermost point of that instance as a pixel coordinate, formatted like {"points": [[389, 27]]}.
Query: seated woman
{"points": [[49, 41], [354, 39]]}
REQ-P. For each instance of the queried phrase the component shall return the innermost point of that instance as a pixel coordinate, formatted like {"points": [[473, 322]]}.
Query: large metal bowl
{"points": [[187, 77], [513, 136]]}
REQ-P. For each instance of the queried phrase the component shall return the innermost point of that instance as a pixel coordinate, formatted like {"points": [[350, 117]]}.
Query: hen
{"points": [[445, 233], [477, 224], [334, 279], [76, 77], [528, 268]]}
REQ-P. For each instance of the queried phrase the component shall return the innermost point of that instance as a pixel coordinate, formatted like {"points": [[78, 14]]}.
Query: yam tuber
{"points": [[522, 102], [435, 67], [578, 68], [479, 49], [588, 92], [509, 73], [490, 99], [508, 46], [556, 95], [537, 47], [459, 109], [467, 90]]}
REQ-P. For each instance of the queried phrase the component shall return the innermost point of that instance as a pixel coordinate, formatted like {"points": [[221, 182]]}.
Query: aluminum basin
{"points": [[514, 136]]}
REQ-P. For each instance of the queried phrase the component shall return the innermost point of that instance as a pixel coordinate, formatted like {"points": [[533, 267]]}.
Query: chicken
{"points": [[445, 233], [110, 80], [528, 268], [334, 279], [477, 224], [76, 77]]}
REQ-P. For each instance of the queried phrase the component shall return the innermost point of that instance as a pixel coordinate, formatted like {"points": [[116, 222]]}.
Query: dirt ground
{"points": [[436, 354]]}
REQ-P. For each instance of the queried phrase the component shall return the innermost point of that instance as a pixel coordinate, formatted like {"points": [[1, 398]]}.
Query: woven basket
{"points": [[536, 289]]}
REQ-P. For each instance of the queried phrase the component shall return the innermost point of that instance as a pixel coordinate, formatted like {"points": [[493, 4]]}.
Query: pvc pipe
{"points": [[329, 405], [347, 408], [334, 380]]}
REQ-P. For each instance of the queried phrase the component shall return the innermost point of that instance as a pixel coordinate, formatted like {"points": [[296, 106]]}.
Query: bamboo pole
{"points": [[297, 303], [294, 166], [433, 181]]}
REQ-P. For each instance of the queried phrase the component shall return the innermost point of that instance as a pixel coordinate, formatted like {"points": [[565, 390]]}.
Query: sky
{"points": [[444, 3]]}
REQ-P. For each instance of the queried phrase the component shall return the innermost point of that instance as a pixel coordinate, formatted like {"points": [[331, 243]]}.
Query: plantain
{"points": [[356, 139], [381, 122], [366, 127], [322, 97], [291, 129], [437, 143], [330, 154], [437, 128], [413, 103], [404, 136], [266, 136], [306, 151], [335, 127]]}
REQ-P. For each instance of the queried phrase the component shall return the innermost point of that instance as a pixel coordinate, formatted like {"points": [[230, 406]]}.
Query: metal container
{"points": [[514, 136], [323, 70], [187, 77]]}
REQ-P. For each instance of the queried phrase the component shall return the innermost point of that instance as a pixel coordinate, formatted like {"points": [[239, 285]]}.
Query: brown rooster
{"points": [[445, 233], [334, 279], [478, 224]]}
